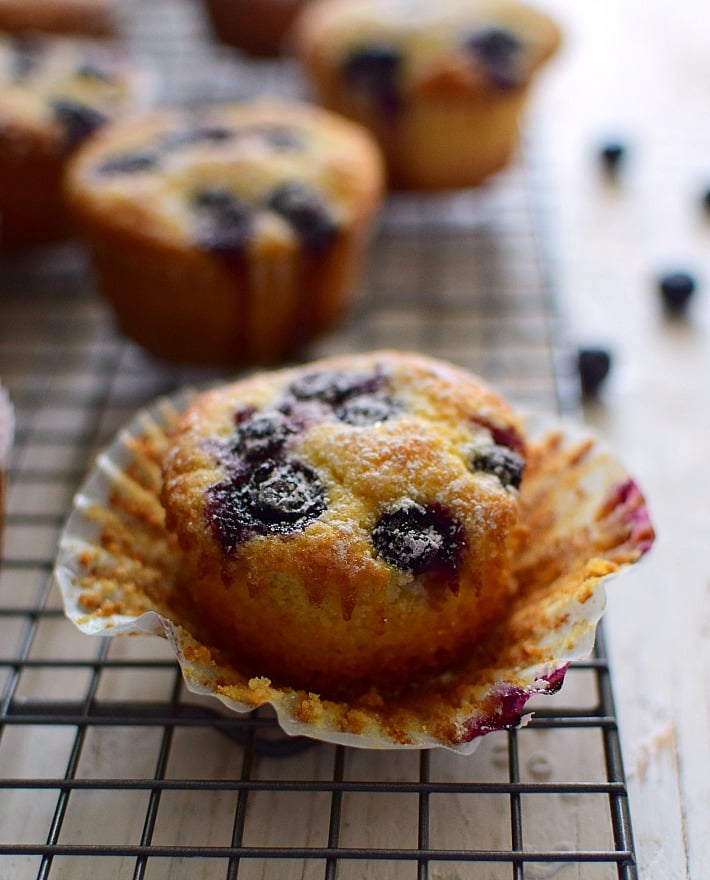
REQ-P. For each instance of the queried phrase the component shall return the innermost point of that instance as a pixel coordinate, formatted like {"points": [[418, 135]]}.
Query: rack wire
{"points": [[108, 766]]}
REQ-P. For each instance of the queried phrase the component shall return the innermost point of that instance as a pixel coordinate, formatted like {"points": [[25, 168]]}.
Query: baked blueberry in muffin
{"points": [[349, 522]]}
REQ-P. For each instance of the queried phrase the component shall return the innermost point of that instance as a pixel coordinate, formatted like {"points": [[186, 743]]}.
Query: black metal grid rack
{"points": [[108, 766]]}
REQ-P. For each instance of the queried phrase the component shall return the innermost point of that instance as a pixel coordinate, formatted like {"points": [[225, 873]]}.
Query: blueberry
{"points": [[128, 163], [498, 53], [198, 134], [89, 70], [262, 436], [593, 365], [676, 288], [334, 387], [224, 223], [417, 538], [285, 495], [612, 155], [367, 409], [705, 200], [306, 212], [78, 120], [273, 498], [282, 138], [503, 463], [375, 70]]}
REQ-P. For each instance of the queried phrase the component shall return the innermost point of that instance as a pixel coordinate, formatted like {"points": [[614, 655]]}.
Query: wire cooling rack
{"points": [[108, 767]]}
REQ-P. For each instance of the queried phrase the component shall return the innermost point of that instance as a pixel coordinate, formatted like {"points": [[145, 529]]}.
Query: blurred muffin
{"points": [[54, 93], [88, 17], [231, 235], [255, 26], [441, 83], [349, 522]]}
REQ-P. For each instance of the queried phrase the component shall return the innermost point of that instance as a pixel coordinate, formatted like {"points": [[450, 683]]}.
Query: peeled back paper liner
{"points": [[118, 569]]}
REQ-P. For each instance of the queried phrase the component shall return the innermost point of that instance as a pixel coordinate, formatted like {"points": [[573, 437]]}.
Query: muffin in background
{"points": [[440, 83], [97, 18], [349, 522], [258, 27], [228, 235], [55, 92]]}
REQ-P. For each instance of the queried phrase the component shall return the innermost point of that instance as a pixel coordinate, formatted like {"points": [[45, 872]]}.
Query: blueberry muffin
{"points": [[350, 522], [230, 235], [441, 83], [54, 93], [258, 27], [87, 17]]}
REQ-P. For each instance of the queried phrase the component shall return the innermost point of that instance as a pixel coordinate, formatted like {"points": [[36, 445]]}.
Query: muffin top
{"points": [[230, 176], [62, 89], [383, 467], [398, 46]]}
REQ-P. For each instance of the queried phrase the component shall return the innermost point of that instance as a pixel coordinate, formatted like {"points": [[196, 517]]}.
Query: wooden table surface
{"points": [[638, 71]]}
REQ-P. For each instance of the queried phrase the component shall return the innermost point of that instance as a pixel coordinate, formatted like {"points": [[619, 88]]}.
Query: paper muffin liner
{"points": [[585, 519]]}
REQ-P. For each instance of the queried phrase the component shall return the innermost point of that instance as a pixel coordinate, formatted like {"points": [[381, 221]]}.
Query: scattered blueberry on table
{"points": [[676, 289], [612, 155], [593, 366]]}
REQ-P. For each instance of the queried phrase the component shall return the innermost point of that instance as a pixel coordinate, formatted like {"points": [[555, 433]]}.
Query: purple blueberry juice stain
{"points": [[511, 702]]}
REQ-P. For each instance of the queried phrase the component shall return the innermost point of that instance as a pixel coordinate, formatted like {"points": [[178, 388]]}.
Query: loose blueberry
{"points": [[593, 365], [416, 538], [676, 289], [128, 163], [375, 70], [262, 436], [285, 495], [224, 223], [612, 155], [498, 53], [78, 120], [334, 387], [367, 409], [503, 463], [306, 212]]}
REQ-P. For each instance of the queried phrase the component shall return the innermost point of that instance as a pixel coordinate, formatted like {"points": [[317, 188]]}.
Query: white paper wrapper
{"points": [[587, 520]]}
